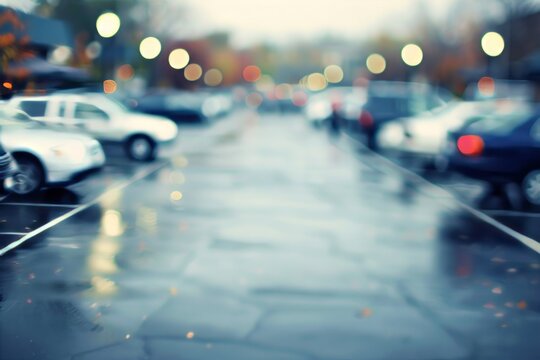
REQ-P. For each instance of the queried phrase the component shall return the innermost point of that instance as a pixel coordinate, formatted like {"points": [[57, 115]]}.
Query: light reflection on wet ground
{"points": [[270, 244]]}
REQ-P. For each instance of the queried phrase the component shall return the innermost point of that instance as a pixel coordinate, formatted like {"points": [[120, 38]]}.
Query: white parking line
{"points": [[527, 241], [138, 176], [39, 205], [512, 213]]}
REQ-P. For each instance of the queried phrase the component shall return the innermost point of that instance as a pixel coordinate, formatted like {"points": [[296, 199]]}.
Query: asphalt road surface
{"points": [[260, 238]]}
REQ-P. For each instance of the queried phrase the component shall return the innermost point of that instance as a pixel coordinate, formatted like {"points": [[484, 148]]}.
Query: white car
{"points": [[319, 106], [103, 118], [424, 136], [426, 133], [45, 157]]}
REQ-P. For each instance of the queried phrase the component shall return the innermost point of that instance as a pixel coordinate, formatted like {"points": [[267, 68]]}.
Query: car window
{"points": [[388, 105], [88, 111], [34, 108], [535, 130], [498, 124]]}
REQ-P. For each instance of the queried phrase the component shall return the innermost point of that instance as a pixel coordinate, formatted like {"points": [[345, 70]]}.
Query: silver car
{"points": [[45, 157]]}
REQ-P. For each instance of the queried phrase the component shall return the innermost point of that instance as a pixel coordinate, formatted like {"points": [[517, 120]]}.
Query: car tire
{"points": [[530, 187], [29, 178], [141, 148]]}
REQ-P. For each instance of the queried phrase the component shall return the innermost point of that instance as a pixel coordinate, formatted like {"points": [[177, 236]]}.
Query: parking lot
{"points": [[23, 218], [179, 256]]}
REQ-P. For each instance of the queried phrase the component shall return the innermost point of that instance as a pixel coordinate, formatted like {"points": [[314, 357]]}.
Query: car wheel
{"points": [[29, 177], [141, 148], [531, 187]]}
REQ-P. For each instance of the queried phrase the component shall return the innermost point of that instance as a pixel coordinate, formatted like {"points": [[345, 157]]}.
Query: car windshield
{"points": [[456, 110], [498, 124], [387, 104], [113, 105], [11, 117]]}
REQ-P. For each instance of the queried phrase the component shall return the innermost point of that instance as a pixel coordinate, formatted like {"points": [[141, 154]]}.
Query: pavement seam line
{"points": [[525, 240], [122, 185]]}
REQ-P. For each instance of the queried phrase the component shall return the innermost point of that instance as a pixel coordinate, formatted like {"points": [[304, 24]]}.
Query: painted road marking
{"points": [[138, 176], [512, 213], [527, 241]]}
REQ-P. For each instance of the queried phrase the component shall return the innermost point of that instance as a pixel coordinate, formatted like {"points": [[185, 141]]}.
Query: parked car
{"points": [[45, 157], [388, 101], [500, 149], [8, 167], [183, 106], [103, 118], [319, 107], [423, 136]]}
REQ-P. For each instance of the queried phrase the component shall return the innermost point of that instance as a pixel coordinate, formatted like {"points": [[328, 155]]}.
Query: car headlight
{"points": [[167, 131], [392, 135], [71, 151]]}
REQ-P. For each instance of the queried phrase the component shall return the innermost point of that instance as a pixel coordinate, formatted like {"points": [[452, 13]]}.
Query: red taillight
{"points": [[470, 145], [366, 120]]}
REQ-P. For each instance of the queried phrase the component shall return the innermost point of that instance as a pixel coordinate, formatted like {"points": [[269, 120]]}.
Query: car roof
{"points": [[57, 96]]}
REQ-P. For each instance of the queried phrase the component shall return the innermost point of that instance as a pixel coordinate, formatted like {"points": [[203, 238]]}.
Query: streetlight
{"points": [[376, 64], [150, 48], [108, 24], [493, 44], [333, 74], [412, 55], [178, 59]]}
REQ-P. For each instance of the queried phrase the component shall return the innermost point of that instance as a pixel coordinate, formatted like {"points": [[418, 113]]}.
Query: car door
{"points": [[89, 118], [534, 156]]}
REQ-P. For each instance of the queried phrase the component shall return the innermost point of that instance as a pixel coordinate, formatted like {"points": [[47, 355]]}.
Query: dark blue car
{"points": [[500, 149]]}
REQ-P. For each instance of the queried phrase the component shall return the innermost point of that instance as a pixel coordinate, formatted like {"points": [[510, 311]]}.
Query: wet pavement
{"points": [[260, 238]]}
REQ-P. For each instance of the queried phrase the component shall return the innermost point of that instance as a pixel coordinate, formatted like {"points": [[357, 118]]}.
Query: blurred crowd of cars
{"points": [[57, 139], [493, 135]]}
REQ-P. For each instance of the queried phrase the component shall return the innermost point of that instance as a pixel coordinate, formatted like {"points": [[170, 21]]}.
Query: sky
{"points": [[283, 20]]}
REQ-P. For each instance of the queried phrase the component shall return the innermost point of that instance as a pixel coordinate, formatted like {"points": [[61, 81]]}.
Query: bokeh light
{"points": [[109, 86], [265, 83], [299, 98], [412, 55], [486, 86], [60, 55], [493, 44], [107, 24], [213, 77], [316, 82], [178, 59], [254, 100], [150, 48], [333, 74], [283, 91], [376, 64], [193, 72], [125, 72], [93, 50], [176, 196], [251, 73]]}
